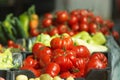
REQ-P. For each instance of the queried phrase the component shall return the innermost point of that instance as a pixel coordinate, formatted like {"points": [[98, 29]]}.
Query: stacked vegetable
{"points": [[14, 28], [63, 58], [29, 24], [64, 44]]}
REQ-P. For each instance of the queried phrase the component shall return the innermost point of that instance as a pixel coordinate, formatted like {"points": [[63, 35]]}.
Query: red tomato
{"points": [[66, 75], [83, 27], [93, 28], [52, 69], [47, 22], [44, 56], [109, 24], [81, 51], [97, 19], [62, 42], [36, 47], [67, 53], [34, 32], [48, 15], [57, 52], [62, 16], [104, 30], [83, 19], [79, 67], [97, 61], [71, 32], [74, 12], [53, 31], [36, 72], [115, 35], [10, 43], [64, 62], [73, 20], [62, 28], [64, 58], [83, 12], [44, 60], [75, 27], [30, 61], [90, 14]]}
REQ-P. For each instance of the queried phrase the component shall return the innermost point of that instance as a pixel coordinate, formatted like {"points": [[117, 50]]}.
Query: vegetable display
{"points": [[61, 45], [64, 58]]}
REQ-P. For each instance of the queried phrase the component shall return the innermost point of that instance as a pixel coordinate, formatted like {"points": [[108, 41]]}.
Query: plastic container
{"points": [[11, 74], [94, 74]]}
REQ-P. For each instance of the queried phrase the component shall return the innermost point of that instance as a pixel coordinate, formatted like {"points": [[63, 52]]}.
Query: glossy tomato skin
{"points": [[79, 67], [73, 20], [97, 19], [44, 56], [56, 43], [62, 16], [71, 32], [48, 15], [57, 52], [93, 28], [83, 19], [81, 51], [53, 31], [52, 69], [36, 72], [47, 22], [30, 61], [83, 27], [62, 28], [63, 58], [66, 75], [75, 27], [109, 24], [115, 35], [10, 43], [104, 30], [97, 61], [45, 60], [64, 62], [34, 32], [36, 47], [62, 42], [83, 12]]}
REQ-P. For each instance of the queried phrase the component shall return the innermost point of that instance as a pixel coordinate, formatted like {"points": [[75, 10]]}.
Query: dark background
{"points": [[19, 6], [42, 6]]}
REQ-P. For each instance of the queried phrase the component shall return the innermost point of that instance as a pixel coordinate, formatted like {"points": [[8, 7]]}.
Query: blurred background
{"points": [[108, 9]]}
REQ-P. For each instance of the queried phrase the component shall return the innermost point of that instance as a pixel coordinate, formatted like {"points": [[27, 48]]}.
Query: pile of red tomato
{"points": [[63, 58], [73, 22]]}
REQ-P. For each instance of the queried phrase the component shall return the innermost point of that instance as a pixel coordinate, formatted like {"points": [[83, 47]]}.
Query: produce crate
{"points": [[108, 73], [11, 74], [94, 74]]}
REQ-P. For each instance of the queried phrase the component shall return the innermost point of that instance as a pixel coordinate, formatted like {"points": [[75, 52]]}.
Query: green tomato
{"points": [[57, 78], [21, 77], [70, 78], [45, 77]]}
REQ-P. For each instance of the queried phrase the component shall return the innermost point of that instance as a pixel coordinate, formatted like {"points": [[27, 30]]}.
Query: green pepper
{"points": [[3, 39], [8, 28], [24, 19]]}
